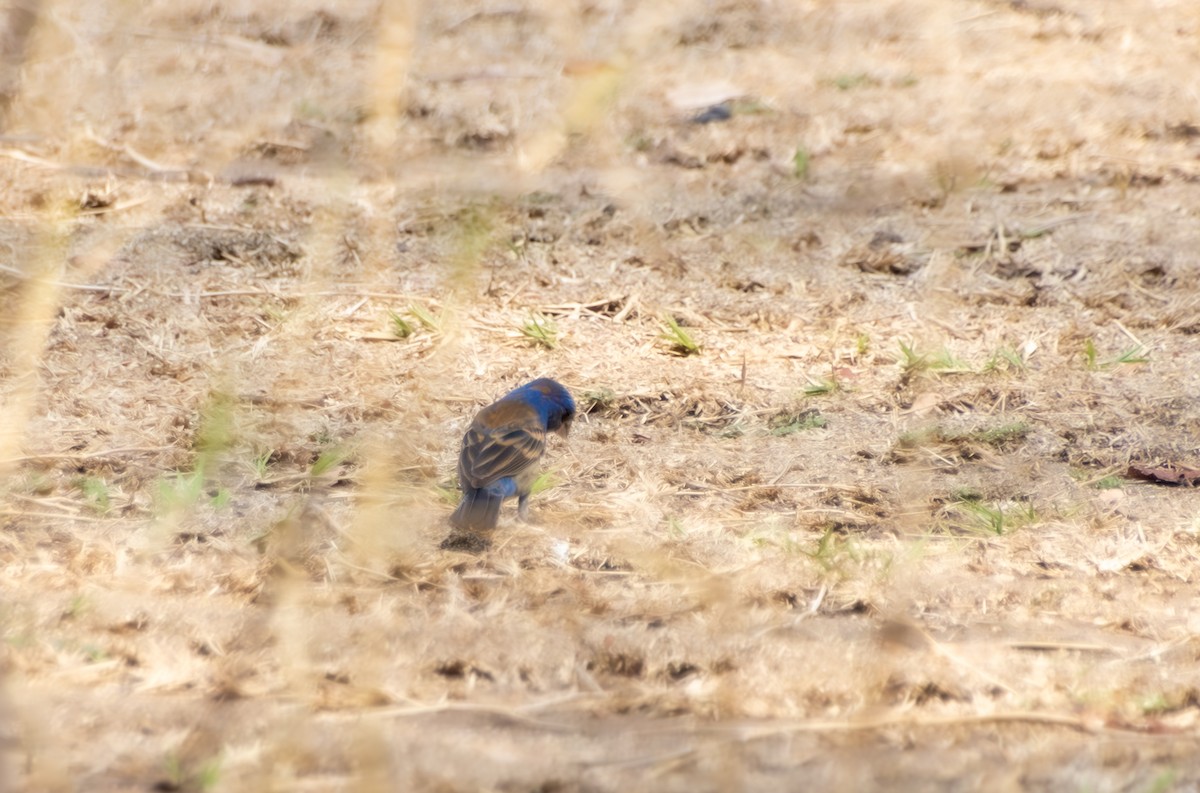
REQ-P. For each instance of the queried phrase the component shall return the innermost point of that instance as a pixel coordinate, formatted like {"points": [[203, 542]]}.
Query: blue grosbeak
{"points": [[502, 449]]}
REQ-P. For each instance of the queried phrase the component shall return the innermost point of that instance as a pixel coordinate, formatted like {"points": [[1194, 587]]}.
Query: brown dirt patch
{"points": [[261, 263]]}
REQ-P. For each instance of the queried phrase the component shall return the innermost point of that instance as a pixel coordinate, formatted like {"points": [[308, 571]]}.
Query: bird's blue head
{"points": [[552, 401]]}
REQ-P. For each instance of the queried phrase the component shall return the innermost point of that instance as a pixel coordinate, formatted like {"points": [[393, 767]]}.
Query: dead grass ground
{"points": [[875, 535]]}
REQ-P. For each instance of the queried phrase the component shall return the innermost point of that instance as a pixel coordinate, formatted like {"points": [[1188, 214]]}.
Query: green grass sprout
{"points": [[821, 387], [681, 341], [401, 327], [1134, 355], [426, 318], [326, 461], [541, 331], [800, 163]]}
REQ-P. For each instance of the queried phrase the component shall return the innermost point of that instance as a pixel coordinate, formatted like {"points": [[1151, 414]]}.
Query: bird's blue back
{"points": [[502, 447]]}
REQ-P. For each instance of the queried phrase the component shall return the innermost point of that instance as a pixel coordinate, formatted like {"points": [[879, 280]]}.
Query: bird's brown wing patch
{"points": [[488, 455]]}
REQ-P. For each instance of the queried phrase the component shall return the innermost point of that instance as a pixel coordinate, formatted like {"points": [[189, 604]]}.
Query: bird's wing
{"points": [[492, 454]]}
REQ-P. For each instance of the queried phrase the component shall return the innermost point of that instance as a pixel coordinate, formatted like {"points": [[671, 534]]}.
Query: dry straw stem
{"points": [[393, 52], [748, 733], [27, 331], [1073, 721]]}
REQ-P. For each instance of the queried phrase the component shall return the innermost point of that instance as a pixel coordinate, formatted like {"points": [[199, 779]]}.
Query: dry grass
{"points": [[259, 266]]}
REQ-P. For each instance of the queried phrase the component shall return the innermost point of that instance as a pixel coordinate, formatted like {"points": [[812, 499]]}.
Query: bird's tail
{"points": [[479, 509]]}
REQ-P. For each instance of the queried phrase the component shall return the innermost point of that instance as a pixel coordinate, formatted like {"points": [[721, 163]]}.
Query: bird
{"points": [[502, 448]]}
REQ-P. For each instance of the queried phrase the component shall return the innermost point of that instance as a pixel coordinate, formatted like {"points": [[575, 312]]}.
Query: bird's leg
{"points": [[523, 507]]}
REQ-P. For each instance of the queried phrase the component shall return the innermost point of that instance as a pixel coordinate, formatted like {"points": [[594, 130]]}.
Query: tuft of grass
{"points": [[1164, 782], [943, 361], [308, 109], [274, 313], [178, 776], [965, 493], [822, 387], [327, 460], [221, 497], [598, 399], [732, 431], [209, 774], [772, 534], [639, 142], [682, 342], [1089, 355], [833, 552], [426, 318], [1110, 482], [800, 163], [1154, 703], [96, 493], [862, 345], [999, 436], [182, 490], [94, 653], [216, 433], [785, 424], [261, 464], [401, 327], [1134, 355], [473, 233], [545, 481], [541, 331], [36, 483], [749, 106], [77, 606], [179, 491], [998, 518], [1005, 359], [848, 82], [912, 361], [448, 492]]}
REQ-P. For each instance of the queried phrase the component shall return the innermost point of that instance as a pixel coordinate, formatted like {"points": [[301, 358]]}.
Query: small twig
{"points": [[20, 156], [88, 456], [20, 513], [1040, 646], [651, 759], [382, 576], [230, 42], [1156, 652], [119, 206], [593, 307], [698, 487], [15, 273], [354, 308], [495, 13], [1039, 230], [630, 306], [515, 714], [1079, 723], [151, 165], [1129, 333], [784, 470], [599, 572], [294, 295], [67, 509], [490, 73]]}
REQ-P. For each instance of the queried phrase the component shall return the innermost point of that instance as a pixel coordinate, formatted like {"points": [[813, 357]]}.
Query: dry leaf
{"points": [[1166, 474]]}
